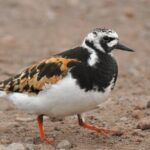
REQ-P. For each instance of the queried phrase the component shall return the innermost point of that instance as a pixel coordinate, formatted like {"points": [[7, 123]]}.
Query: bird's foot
{"points": [[47, 141], [42, 134], [103, 131]]}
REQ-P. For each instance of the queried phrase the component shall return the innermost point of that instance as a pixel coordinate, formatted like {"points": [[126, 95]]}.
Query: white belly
{"points": [[59, 100]]}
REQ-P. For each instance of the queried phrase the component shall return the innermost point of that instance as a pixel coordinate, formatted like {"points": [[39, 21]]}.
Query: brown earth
{"points": [[31, 30]]}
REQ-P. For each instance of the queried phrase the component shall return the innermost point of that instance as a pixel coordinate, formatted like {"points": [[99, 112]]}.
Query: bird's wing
{"points": [[34, 78]]}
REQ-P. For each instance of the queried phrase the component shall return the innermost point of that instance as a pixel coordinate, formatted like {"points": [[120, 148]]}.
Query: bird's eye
{"points": [[95, 33], [107, 39]]}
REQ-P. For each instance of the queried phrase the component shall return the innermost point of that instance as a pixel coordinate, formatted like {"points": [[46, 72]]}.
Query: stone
{"points": [[57, 129], [133, 71], [123, 119], [147, 113], [144, 123], [140, 106], [117, 132], [5, 141], [4, 129], [64, 144], [138, 139], [129, 13], [148, 104], [45, 147], [138, 132], [15, 146], [30, 147], [21, 119], [137, 114]]}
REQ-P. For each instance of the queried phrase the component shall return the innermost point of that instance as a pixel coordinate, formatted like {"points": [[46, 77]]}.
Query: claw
{"points": [[48, 141], [106, 132]]}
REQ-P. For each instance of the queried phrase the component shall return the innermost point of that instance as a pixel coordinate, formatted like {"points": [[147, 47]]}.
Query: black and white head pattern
{"points": [[103, 40]]}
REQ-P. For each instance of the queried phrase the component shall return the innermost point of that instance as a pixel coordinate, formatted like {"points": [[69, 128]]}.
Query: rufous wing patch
{"points": [[34, 78]]}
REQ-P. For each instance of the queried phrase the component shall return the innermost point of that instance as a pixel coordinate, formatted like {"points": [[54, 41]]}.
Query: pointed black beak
{"points": [[123, 47]]}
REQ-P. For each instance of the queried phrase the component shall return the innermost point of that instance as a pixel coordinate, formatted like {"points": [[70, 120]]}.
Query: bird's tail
{"points": [[3, 89]]}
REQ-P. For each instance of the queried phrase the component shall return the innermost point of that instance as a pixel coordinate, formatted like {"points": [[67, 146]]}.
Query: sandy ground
{"points": [[31, 30]]}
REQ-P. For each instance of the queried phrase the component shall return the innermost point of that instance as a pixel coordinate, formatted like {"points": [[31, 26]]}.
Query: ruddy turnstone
{"points": [[68, 83]]}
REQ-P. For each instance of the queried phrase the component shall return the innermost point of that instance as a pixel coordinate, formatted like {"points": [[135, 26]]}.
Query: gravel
{"points": [[64, 144], [15, 146], [144, 123]]}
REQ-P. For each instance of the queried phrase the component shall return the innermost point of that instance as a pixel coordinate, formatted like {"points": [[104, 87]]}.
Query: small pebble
{"points": [[129, 13], [30, 147], [140, 106], [147, 113], [138, 132], [24, 119], [133, 71], [138, 140], [137, 114], [4, 129], [123, 119], [5, 141], [148, 104], [16, 146], [117, 132], [57, 129], [144, 123], [64, 144], [45, 147]]}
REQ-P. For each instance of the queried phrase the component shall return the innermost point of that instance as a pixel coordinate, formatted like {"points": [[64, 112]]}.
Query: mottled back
{"points": [[34, 78]]}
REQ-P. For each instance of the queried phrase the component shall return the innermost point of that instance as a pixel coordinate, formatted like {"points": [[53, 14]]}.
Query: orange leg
{"points": [[103, 131], [42, 134]]}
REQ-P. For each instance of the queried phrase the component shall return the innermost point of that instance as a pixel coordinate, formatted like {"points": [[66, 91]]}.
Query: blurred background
{"points": [[31, 30]]}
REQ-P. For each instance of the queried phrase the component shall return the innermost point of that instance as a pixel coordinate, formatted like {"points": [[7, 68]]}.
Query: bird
{"points": [[68, 83]]}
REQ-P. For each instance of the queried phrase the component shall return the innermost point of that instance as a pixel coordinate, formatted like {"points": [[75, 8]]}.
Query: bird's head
{"points": [[104, 40]]}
